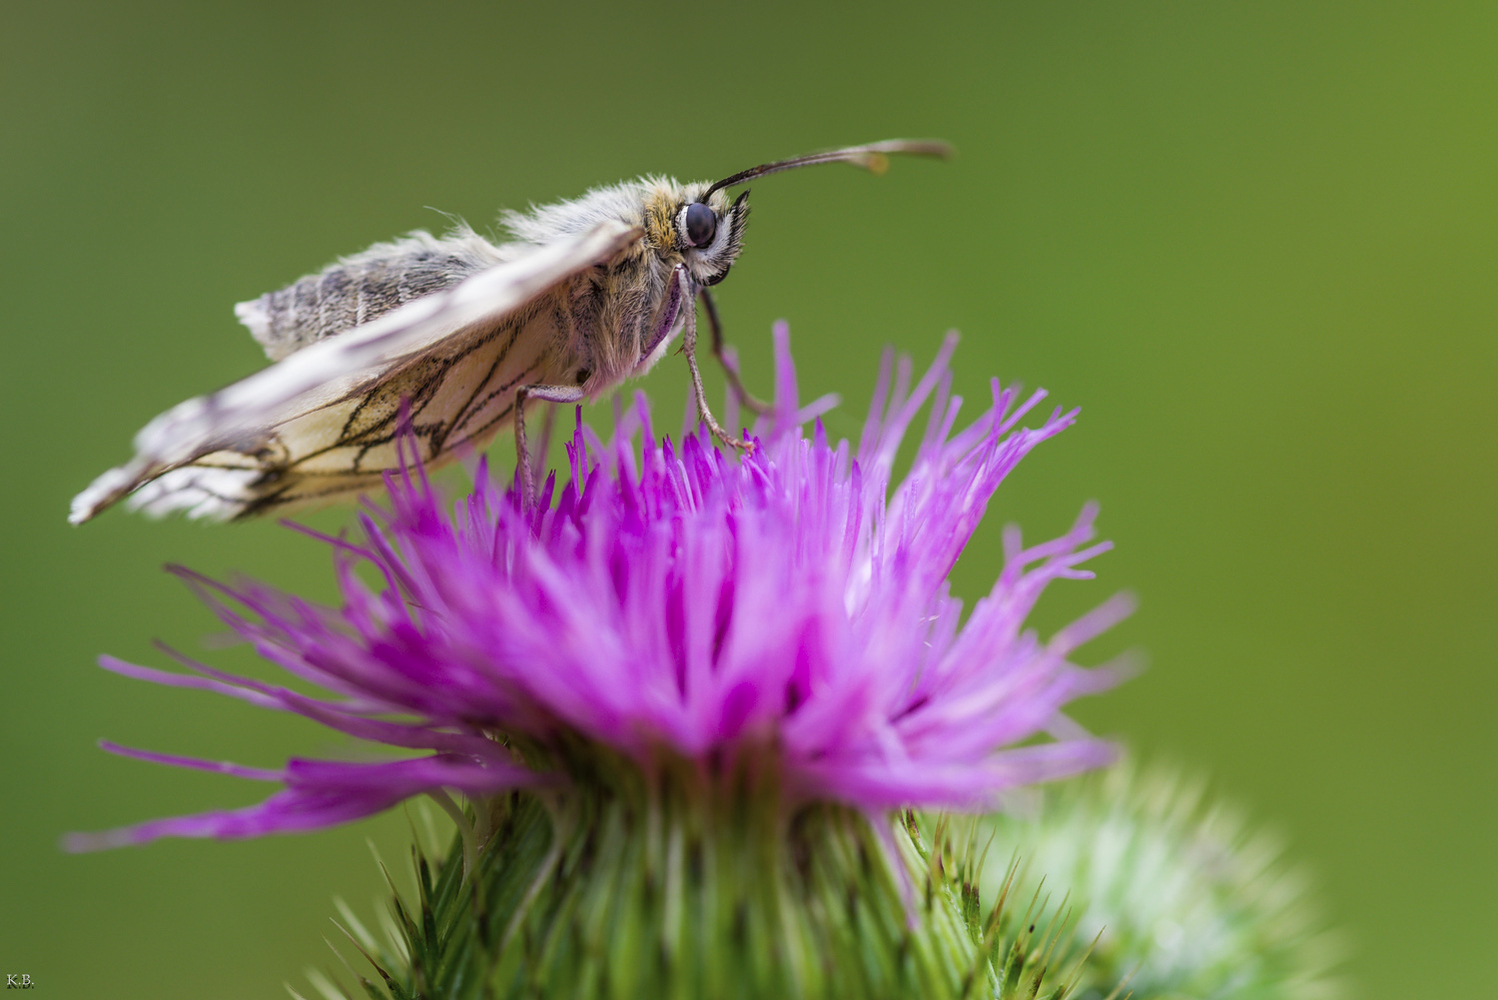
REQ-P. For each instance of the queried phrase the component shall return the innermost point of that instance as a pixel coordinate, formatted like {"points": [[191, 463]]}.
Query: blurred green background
{"points": [[1255, 242]]}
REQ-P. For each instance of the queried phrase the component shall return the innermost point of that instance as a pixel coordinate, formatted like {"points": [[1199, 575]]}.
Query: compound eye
{"points": [[702, 224]]}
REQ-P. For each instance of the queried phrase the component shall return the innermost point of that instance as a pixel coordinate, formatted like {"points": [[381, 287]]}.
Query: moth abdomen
{"points": [[363, 287]]}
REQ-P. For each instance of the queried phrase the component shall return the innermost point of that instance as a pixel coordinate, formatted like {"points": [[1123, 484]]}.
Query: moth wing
{"points": [[333, 369]]}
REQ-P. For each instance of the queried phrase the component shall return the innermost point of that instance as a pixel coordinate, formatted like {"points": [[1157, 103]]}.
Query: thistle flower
{"points": [[787, 608], [690, 693]]}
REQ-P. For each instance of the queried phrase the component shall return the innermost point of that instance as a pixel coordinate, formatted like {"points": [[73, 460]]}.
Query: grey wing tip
{"points": [[100, 494], [200, 494]]}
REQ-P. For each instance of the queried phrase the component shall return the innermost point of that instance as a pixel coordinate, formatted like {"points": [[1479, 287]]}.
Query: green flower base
{"points": [[692, 890], [1117, 885]]}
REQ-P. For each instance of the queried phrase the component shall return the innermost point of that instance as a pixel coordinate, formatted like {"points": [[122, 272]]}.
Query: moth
{"points": [[452, 337]]}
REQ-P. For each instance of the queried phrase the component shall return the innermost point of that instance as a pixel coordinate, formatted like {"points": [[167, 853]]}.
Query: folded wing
{"points": [[318, 422]]}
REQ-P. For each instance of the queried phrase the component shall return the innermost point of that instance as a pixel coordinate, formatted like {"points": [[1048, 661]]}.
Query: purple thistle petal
{"points": [[317, 794]]}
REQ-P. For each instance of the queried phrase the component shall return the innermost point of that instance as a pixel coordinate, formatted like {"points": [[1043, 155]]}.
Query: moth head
{"points": [[709, 230]]}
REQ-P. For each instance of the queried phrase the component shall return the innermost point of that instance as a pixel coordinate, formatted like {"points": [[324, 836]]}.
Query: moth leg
{"points": [[689, 348], [730, 366], [548, 394]]}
